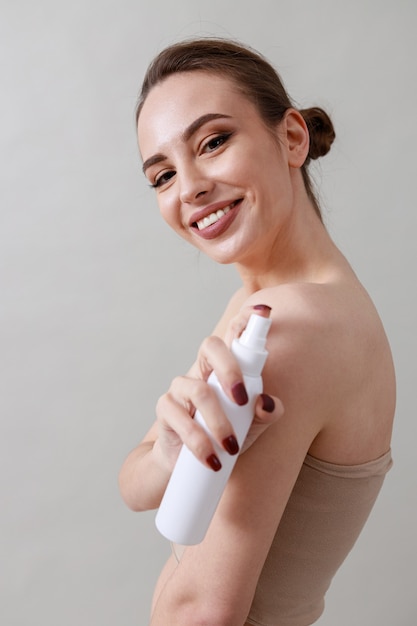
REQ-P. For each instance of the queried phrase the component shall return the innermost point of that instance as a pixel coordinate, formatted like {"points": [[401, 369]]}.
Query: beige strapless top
{"points": [[323, 518]]}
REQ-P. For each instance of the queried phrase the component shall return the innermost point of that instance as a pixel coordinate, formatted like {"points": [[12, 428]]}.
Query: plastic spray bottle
{"points": [[193, 491]]}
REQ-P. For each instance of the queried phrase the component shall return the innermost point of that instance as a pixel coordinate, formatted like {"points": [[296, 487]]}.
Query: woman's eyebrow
{"points": [[156, 158], [186, 135], [199, 122]]}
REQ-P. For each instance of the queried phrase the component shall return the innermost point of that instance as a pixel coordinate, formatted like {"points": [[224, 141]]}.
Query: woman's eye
{"points": [[162, 179], [216, 142]]}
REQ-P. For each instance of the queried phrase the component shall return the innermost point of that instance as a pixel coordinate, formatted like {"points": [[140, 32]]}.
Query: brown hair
{"points": [[255, 78]]}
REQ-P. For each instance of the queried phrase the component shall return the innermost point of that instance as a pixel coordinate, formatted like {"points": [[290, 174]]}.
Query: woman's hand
{"points": [[176, 408]]}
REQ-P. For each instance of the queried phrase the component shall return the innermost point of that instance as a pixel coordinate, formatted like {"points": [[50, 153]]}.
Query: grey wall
{"points": [[101, 306]]}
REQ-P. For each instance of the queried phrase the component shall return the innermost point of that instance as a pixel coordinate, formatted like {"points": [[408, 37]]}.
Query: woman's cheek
{"points": [[170, 211], [167, 208]]}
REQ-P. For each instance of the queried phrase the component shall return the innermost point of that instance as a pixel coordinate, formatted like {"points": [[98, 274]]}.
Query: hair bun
{"points": [[321, 131]]}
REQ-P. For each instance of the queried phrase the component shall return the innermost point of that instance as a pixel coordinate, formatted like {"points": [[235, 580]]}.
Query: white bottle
{"points": [[193, 491]]}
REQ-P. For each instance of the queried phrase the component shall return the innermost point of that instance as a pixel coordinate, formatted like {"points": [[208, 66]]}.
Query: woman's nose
{"points": [[193, 185]]}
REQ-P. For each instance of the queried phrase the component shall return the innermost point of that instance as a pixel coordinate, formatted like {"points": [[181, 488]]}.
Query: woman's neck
{"points": [[300, 251]]}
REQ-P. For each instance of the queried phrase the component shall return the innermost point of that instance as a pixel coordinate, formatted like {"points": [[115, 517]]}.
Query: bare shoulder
{"points": [[331, 363]]}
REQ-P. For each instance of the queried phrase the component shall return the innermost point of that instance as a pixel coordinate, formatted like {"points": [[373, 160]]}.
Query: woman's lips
{"points": [[217, 222], [213, 217]]}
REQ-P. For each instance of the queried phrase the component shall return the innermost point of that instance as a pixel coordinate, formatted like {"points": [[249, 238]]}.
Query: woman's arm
{"points": [[144, 474], [215, 581], [146, 471]]}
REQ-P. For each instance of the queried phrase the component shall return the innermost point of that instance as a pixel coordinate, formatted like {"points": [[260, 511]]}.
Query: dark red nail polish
{"points": [[262, 307], [239, 394], [268, 403], [231, 445], [214, 462]]}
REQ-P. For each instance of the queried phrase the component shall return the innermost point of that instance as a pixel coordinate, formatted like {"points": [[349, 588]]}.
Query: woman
{"points": [[227, 154]]}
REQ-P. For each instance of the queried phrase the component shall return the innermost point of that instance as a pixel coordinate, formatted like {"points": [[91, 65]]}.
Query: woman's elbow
{"points": [[128, 493]]}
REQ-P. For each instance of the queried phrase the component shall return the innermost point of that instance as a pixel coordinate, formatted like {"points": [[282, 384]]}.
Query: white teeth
{"points": [[213, 217]]}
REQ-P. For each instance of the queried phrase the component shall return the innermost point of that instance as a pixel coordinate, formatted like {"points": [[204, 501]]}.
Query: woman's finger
{"points": [[175, 410], [215, 355], [268, 410]]}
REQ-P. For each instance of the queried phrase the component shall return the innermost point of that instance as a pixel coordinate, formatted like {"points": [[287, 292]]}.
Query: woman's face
{"points": [[222, 178]]}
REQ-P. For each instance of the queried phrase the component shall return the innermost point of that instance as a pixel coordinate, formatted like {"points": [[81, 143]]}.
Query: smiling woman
{"points": [[211, 151], [227, 155]]}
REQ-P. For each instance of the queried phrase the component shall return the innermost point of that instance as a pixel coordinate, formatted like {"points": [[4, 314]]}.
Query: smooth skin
{"points": [[205, 147]]}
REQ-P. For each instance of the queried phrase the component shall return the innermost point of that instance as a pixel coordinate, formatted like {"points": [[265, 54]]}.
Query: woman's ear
{"points": [[297, 139]]}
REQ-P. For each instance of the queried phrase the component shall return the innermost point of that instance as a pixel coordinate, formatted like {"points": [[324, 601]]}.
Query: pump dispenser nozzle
{"points": [[249, 349], [254, 335]]}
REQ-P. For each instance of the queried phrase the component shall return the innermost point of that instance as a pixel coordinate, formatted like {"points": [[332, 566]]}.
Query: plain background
{"points": [[100, 305]]}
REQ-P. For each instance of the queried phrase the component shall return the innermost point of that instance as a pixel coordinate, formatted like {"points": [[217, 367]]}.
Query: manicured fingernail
{"points": [[214, 462], [231, 445], [268, 403], [239, 394], [262, 307]]}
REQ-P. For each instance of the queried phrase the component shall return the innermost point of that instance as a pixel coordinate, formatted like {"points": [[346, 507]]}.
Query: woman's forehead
{"points": [[172, 105], [197, 86]]}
